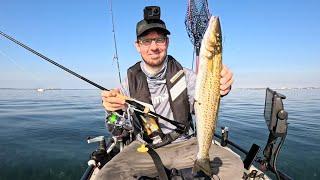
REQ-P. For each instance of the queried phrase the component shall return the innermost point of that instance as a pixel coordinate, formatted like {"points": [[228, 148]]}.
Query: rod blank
{"points": [[51, 61]]}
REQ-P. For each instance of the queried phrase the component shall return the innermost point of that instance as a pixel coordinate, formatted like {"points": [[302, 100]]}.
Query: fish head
{"points": [[212, 41]]}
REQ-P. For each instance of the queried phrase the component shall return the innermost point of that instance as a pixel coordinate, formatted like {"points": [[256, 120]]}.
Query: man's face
{"points": [[153, 48]]}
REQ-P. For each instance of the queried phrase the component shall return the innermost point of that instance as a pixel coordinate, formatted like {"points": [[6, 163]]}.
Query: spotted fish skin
{"points": [[207, 93]]}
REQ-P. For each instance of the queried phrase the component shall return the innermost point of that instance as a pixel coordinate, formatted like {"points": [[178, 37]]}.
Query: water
{"points": [[43, 135]]}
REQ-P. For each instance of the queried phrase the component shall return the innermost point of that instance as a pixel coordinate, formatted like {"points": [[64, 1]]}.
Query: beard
{"points": [[156, 62], [153, 66]]}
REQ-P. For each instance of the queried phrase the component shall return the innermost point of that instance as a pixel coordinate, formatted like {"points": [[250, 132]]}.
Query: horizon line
{"points": [[257, 88]]}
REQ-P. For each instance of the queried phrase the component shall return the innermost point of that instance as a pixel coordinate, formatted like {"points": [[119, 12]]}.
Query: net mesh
{"points": [[196, 20]]}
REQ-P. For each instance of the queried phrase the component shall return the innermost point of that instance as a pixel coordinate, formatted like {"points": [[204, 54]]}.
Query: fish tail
{"points": [[202, 165]]}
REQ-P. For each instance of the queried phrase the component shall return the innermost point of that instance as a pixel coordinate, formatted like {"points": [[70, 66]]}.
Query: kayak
{"points": [[131, 164], [123, 159]]}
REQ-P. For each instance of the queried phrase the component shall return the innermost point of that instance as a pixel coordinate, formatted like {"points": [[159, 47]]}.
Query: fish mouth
{"points": [[217, 24]]}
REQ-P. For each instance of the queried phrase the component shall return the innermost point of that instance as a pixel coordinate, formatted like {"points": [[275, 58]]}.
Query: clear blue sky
{"points": [[266, 43]]}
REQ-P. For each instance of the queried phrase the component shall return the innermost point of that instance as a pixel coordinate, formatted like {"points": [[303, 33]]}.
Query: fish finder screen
{"points": [[268, 106]]}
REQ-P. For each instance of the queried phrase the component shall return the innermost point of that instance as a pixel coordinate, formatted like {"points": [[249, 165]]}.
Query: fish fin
{"points": [[202, 165]]}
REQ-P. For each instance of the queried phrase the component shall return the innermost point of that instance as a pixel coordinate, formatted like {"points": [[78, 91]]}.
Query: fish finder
{"points": [[274, 113], [276, 119]]}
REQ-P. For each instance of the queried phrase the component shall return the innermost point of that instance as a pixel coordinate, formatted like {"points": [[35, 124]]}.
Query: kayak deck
{"points": [[131, 164]]}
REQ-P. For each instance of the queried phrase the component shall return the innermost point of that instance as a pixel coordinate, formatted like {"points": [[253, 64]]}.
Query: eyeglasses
{"points": [[147, 42]]}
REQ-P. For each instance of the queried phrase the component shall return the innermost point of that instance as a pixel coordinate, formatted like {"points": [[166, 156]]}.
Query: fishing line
{"points": [[18, 66], [115, 57]]}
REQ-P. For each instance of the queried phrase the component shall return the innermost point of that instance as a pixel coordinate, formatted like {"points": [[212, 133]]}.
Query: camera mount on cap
{"points": [[151, 13]]}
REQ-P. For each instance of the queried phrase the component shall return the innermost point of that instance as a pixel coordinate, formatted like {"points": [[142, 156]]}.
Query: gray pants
{"points": [[130, 164]]}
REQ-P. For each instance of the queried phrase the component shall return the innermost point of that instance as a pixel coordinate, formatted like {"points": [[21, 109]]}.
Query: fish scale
{"points": [[207, 94]]}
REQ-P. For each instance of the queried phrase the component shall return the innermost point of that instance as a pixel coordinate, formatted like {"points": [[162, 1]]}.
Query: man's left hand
{"points": [[226, 80]]}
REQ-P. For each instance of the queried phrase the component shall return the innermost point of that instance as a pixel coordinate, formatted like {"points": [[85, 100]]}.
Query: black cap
{"points": [[145, 25]]}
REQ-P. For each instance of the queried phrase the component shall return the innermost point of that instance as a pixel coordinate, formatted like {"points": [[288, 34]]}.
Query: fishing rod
{"points": [[115, 58], [51, 61], [128, 100]]}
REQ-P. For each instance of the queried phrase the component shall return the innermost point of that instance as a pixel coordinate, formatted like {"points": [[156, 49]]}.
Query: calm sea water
{"points": [[43, 135]]}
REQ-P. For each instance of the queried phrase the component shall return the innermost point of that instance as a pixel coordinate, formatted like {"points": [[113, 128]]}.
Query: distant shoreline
{"points": [[49, 89], [250, 88], [282, 88]]}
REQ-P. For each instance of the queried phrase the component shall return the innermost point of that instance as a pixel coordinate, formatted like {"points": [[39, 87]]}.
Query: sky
{"points": [[266, 43]]}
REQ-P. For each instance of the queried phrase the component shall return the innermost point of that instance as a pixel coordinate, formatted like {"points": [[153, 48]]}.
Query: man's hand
{"points": [[226, 80], [113, 100]]}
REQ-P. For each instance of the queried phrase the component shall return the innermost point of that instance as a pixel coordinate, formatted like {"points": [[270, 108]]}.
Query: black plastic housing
{"points": [[151, 13], [274, 114]]}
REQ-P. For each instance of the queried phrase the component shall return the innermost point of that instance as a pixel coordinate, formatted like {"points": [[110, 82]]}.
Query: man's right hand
{"points": [[113, 100]]}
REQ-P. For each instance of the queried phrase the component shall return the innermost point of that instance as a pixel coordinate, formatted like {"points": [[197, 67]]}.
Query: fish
{"points": [[207, 93]]}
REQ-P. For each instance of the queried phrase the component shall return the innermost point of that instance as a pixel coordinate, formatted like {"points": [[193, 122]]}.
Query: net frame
{"points": [[196, 22]]}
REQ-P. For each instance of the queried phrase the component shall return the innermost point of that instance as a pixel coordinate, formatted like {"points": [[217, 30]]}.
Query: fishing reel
{"points": [[119, 129], [114, 124], [147, 126]]}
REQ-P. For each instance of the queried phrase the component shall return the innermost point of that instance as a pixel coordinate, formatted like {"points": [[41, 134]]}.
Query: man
{"points": [[152, 43], [160, 81]]}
